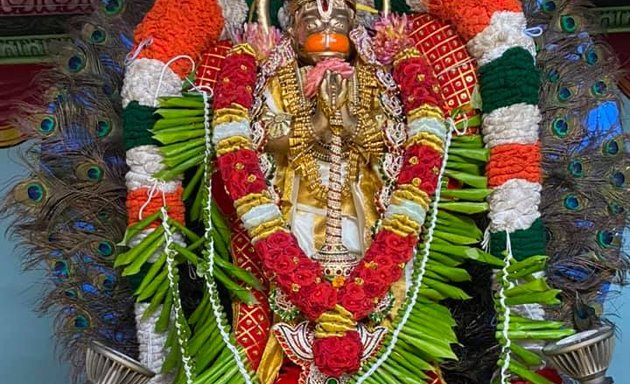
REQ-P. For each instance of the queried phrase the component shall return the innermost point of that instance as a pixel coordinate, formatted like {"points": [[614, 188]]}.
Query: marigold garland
{"points": [[174, 28], [509, 84]]}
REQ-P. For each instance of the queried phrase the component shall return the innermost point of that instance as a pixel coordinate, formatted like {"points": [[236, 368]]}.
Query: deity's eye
{"points": [[312, 25], [338, 23]]}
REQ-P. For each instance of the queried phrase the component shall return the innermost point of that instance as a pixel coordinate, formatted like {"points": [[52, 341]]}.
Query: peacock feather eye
{"points": [[76, 63], [98, 36], [611, 147], [553, 75], [103, 129], [89, 289], [564, 94], [35, 192], [81, 322], [113, 7], [591, 57], [95, 173], [103, 216], [105, 248], [47, 126], [618, 179], [108, 282], [71, 293], [576, 168], [560, 128], [90, 172], [571, 202], [599, 88], [110, 317], [605, 239], [549, 6], [61, 271], [615, 208], [568, 23]]}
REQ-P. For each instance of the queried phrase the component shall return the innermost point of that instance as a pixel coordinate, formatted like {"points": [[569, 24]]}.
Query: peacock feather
{"points": [[585, 191], [68, 214]]}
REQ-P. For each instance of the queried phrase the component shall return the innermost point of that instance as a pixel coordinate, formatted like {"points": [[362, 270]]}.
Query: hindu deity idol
{"points": [[340, 194], [329, 144], [334, 143]]}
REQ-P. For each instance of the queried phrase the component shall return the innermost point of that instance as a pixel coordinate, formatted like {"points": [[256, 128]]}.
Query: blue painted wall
{"points": [[619, 304], [26, 349]]}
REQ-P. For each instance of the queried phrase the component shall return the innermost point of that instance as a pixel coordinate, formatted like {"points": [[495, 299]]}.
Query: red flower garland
{"points": [[418, 85], [236, 82], [335, 356], [283, 260]]}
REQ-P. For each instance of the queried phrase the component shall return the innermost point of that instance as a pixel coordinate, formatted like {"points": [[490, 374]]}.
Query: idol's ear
{"points": [[387, 8], [262, 11]]}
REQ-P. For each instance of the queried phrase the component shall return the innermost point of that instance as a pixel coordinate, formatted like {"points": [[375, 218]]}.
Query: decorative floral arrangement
{"points": [[336, 304], [297, 275]]}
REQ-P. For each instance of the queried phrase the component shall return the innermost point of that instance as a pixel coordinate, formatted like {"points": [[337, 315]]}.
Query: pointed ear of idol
{"points": [[262, 11]]}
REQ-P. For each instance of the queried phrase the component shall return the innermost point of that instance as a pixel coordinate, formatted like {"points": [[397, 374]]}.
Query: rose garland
{"points": [[297, 275]]}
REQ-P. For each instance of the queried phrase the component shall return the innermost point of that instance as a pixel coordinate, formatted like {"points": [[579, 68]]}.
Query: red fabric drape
{"points": [[16, 86]]}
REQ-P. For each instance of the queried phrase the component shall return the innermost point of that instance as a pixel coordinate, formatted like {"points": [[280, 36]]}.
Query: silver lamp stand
{"points": [[584, 356], [108, 366]]}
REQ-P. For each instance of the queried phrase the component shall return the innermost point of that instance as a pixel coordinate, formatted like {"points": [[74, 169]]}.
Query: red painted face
{"points": [[324, 36]]}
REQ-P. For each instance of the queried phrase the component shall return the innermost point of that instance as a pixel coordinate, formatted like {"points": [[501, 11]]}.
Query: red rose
{"points": [[394, 273], [388, 271], [278, 240], [375, 288], [355, 300], [375, 281], [280, 263], [241, 173], [425, 171], [417, 83], [318, 299], [401, 247], [241, 95], [336, 356], [306, 274], [236, 81]]}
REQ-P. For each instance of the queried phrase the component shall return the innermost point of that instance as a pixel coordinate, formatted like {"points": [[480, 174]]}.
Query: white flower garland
{"points": [[514, 205], [144, 162], [142, 81], [506, 30], [235, 13], [151, 344], [515, 124]]}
